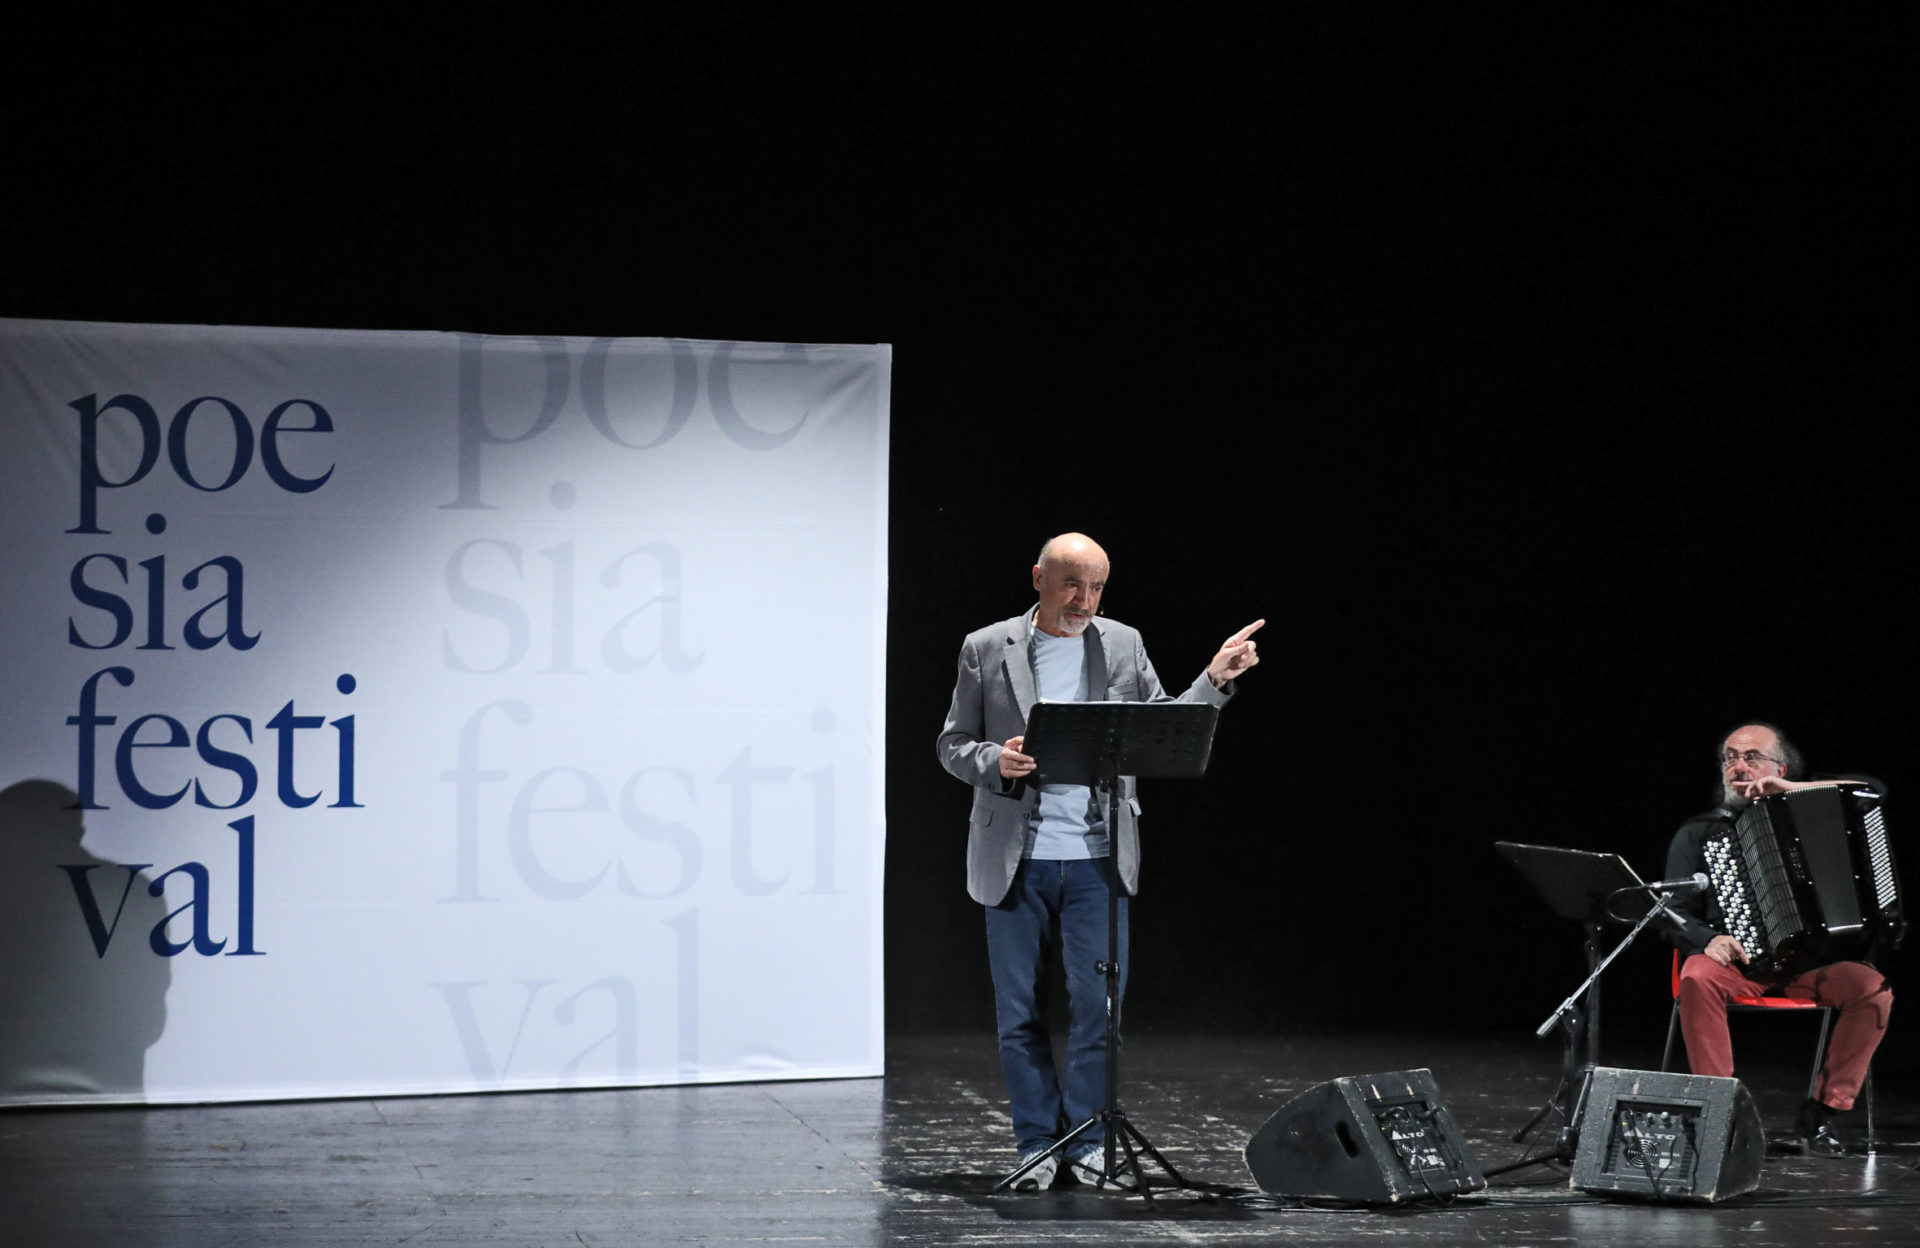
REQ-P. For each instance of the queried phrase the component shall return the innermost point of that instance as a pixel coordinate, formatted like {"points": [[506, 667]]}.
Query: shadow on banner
{"points": [[84, 993]]}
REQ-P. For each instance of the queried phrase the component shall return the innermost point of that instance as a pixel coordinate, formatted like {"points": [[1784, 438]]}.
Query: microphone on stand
{"points": [[1685, 884]]}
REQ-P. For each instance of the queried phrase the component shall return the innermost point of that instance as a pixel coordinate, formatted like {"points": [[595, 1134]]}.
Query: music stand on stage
{"points": [[1578, 884], [1095, 743]]}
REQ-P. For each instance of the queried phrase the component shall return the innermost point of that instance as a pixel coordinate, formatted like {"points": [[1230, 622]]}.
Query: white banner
{"points": [[406, 712]]}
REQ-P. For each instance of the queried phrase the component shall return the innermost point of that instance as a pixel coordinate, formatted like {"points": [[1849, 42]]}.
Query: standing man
{"points": [[1033, 850], [1756, 760]]}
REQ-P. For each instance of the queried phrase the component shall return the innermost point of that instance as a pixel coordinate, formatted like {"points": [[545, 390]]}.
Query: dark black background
{"points": [[1541, 375]]}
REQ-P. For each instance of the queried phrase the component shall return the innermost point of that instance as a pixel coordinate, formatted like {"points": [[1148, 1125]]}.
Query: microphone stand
{"points": [[1567, 1016]]}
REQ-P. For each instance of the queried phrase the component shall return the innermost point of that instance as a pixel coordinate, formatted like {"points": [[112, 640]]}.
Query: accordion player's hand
{"points": [[1762, 786], [1725, 950]]}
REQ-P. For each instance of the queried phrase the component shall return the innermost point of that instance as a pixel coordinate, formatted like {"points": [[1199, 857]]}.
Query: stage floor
{"points": [[908, 1159]]}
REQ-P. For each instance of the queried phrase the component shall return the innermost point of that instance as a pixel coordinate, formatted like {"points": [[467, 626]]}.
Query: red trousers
{"points": [[1857, 990]]}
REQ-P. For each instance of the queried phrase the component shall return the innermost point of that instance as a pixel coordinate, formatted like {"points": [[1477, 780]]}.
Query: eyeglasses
{"points": [[1752, 758]]}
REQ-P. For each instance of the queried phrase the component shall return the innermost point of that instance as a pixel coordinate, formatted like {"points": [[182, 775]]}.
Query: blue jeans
{"points": [[1020, 938]]}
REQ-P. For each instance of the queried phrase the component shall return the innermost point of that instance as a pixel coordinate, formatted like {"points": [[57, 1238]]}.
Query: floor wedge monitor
{"points": [[1364, 1139], [1659, 1136]]}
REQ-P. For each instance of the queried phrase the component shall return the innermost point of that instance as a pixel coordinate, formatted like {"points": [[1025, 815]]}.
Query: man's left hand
{"points": [[1237, 654]]}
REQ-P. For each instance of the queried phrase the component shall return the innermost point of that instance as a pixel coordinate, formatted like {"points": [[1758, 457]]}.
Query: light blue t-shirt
{"points": [[1066, 824]]}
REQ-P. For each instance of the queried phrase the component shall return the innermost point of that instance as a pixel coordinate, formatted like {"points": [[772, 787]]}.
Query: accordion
{"points": [[1806, 878]]}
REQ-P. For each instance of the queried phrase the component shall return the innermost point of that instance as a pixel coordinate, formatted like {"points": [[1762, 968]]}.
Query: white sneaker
{"points": [[1040, 1178], [1089, 1165]]}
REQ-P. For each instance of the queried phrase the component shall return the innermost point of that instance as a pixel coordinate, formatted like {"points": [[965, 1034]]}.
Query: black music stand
{"points": [[1577, 884], [1097, 743]]}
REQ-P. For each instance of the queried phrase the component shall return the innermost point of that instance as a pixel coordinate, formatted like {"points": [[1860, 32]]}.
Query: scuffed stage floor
{"points": [[909, 1159]]}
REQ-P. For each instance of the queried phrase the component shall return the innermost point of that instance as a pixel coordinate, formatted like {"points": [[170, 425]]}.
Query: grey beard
{"points": [[1732, 800]]}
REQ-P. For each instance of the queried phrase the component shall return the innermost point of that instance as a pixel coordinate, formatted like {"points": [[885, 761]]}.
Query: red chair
{"points": [[1771, 1005]]}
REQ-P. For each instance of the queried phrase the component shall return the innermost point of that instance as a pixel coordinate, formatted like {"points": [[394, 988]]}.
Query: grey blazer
{"points": [[991, 697]]}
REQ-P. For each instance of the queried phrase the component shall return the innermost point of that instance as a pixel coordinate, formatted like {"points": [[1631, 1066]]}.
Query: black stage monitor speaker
{"points": [[1364, 1139], [1662, 1136]]}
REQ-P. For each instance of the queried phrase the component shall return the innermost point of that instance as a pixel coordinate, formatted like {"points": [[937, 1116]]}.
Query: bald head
{"points": [[1070, 577], [1074, 547]]}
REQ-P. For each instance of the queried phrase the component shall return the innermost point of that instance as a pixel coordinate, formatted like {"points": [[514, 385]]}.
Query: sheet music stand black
{"points": [[1096, 743], [1577, 884]]}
